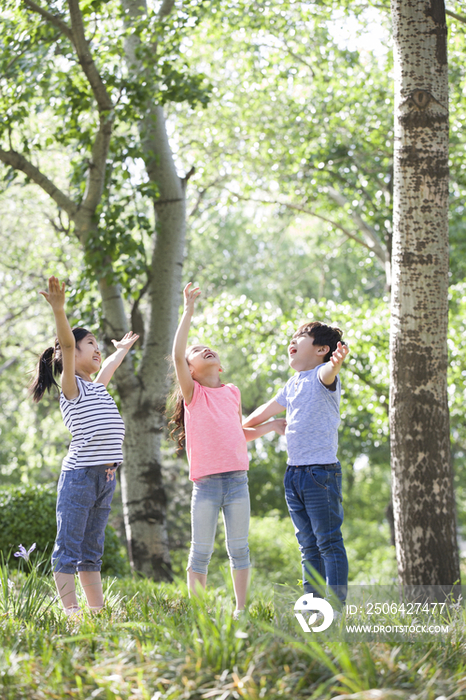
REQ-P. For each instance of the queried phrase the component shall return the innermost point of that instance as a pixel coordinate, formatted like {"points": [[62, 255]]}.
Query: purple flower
{"points": [[24, 553]]}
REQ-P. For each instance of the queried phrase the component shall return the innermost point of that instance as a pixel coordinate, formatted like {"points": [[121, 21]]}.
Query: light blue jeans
{"points": [[229, 492]]}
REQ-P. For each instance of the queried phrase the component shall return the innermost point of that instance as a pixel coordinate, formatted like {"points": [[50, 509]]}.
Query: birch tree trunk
{"points": [[423, 500], [142, 392], [143, 402]]}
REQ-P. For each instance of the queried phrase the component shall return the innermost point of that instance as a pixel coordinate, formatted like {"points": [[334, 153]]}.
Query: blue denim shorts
{"points": [[83, 506], [227, 491]]}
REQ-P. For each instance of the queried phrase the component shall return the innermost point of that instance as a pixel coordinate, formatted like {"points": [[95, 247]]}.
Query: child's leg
{"points": [[205, 506], [327, 519], [196, 582], [311, 560], [92, 587], [66, 589], [73, 502], [94, 536], [319, 489], [241, 579], [236, 514]]}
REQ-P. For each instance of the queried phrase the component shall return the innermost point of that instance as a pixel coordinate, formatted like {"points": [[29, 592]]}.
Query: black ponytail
{"points": [[50, 365]]}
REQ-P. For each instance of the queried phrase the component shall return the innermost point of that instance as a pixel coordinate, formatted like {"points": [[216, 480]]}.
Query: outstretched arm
{"points": [[278, 425], [115, 359], [56, 298], [263, 413], [252, 433], [329, 371], [181, 340]]}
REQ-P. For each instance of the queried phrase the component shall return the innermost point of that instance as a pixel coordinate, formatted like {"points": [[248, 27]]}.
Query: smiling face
{"points": [[201, 360], [303, 354], [87, 356]]}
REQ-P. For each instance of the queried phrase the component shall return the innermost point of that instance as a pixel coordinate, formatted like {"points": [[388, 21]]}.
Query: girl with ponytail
{"points": [[87, 480], [50, 365]]}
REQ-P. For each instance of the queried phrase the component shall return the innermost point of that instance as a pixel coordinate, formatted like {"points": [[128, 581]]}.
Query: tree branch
{"points": [[374, 242], [51, 18], [9, 363], [304, 210], [165, 8], [76, 35], [96, 173], [19, 162], [59, 228], [11, 316], [86, 61], [297, 57], [203, 193], [460, 18]]}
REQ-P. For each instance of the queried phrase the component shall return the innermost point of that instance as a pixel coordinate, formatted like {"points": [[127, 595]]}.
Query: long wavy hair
{"points": [[50, 365], [176, 419], [175, 410]]}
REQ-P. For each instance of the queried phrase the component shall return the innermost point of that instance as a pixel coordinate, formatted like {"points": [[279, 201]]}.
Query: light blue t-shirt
{"points": [[312, 417]]}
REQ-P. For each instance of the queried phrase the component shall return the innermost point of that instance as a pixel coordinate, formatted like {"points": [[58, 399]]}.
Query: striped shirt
{"points": [[96, 427]]}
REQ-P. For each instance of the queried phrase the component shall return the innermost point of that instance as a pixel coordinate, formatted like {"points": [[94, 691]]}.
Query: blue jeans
{"points": [[83, 506], [313, 496], [227, 491]]}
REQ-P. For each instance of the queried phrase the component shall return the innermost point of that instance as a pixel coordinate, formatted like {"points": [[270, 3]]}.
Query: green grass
{"points": [[152, 642]]}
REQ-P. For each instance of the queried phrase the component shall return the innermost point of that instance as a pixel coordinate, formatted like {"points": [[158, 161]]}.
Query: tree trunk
{"points": [[143, 401], [143, 494], [143, 391], [423, 498]]}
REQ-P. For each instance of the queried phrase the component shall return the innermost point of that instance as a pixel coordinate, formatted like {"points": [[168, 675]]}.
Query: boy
{"points": [[313, 475]]}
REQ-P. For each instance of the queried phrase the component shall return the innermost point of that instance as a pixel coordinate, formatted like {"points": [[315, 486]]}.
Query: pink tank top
{"points": [[215, 440]]}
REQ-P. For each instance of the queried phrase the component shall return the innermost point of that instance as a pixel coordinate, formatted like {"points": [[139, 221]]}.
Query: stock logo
{"points": [[320, 610]]}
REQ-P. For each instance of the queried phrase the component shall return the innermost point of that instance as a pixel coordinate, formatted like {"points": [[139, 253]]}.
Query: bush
{"points": [[274, 549], [27, 515]]}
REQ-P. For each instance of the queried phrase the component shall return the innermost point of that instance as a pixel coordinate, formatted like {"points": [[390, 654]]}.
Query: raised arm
{"points": [[263, 413], [114, 360], [181, 341], [56, 298], [329, 370]]}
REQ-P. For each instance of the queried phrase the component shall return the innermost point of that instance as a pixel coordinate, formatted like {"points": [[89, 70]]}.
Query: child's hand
{"points": [[127, 341], [280, 426], [190, 296], [339, 355], [56, 294]]}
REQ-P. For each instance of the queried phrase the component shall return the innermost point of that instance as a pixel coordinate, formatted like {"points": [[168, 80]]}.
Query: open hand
{"points": [[190, 296], [339, 355], [127, 341], [56, 294]]}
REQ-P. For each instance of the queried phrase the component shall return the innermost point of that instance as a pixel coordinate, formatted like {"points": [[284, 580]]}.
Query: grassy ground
{"points": [[152, 643]]}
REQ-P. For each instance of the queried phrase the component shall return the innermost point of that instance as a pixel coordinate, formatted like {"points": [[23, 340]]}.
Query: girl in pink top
{"points": [[208, 417]]}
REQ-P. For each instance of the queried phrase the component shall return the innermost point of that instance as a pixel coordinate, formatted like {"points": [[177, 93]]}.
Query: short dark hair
{"points": [[323, 335]]}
